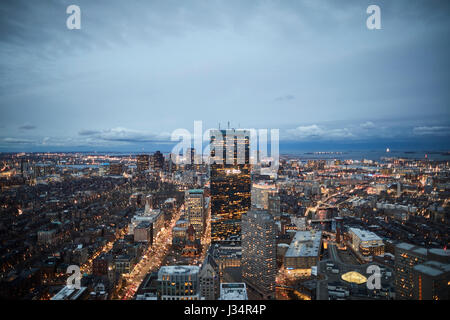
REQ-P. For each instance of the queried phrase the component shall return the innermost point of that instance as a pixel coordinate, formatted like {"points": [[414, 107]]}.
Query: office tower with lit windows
{"points": [[142, 162], [194, 203], [406, 257], [157, 161], [261, 193], [431, 281], [420, 273], [230, 182], [366, 243], [259, 266]]}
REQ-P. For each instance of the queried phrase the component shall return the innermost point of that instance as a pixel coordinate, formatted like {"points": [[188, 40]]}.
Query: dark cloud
{"points": [[287, 97], [154, 66], [432, 131], [16, 141], [124, 135], [27, 127], [89, 132]]}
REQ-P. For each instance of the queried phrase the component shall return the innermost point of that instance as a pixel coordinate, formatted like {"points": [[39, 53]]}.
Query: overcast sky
{"points": [[137, 70]]}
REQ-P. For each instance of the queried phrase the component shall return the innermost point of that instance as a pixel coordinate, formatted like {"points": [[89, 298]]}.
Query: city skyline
{"points": [[207, 157]]}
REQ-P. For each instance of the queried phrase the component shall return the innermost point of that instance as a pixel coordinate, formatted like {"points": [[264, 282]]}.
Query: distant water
{"points": [[375, 155], [73, 166], [79, 166], [370, 155]]}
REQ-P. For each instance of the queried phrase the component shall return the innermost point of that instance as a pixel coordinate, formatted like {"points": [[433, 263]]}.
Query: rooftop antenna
{"points": [[228, 124], [219, 125]]}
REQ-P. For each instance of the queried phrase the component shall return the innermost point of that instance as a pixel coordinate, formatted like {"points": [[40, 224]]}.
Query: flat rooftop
{"points": [[412, 248], [433, 268], [365, 235], [305, 244], [150, 215], [233, 291], [143, 224], [67, 293], [178, 270], [195, 191], [440, 252]]}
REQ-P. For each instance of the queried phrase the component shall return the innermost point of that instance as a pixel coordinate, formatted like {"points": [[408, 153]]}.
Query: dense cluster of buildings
{"points": [[150, 228]]}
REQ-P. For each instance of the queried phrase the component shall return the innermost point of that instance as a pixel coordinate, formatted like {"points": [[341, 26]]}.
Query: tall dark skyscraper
{"points": [[142, 162], [230, 182], [157, 161], [190, 159]]}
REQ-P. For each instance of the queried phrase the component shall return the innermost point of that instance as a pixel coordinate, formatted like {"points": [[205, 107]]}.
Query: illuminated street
{"points": [[87, 267], [151, 260]]}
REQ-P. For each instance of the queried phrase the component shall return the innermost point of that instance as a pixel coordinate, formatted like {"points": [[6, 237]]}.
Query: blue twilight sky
{"points": [[137, 70]]}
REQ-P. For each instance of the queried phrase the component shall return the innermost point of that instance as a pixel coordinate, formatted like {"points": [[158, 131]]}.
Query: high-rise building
{"points": [[194, 203], [171, 163], [259, 267], [190, 159], [431, 281], [230, 182], [261, 193], [406, 257], [142, 162], [420, 273], [157, 161]]}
